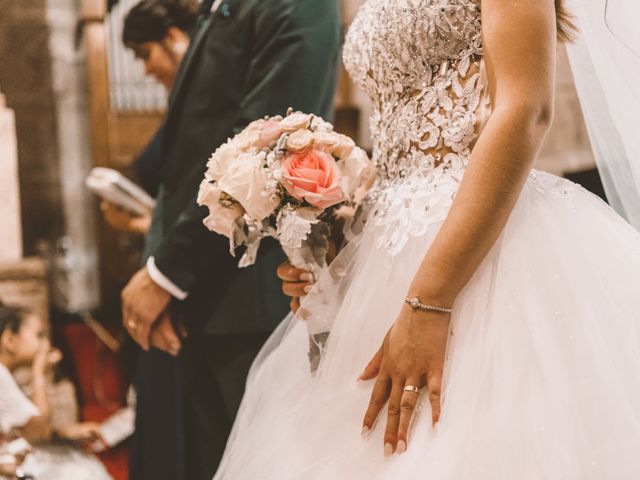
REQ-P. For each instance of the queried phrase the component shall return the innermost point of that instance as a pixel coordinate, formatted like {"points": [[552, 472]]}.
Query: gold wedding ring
{"points": [[411, 388]]}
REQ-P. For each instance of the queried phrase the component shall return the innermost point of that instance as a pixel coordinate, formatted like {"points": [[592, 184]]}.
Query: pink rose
{"points": [[255, 126], [270, 132], [314, 176]]}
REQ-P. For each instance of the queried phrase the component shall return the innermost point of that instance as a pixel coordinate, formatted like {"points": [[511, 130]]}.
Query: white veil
{"points": [[605, 59]]}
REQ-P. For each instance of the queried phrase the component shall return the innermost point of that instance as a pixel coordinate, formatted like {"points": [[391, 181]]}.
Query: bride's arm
{"points": [[519, 45]]}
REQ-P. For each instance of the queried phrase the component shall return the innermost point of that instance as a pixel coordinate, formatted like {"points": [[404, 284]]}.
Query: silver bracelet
{"points": [[418, 305]]}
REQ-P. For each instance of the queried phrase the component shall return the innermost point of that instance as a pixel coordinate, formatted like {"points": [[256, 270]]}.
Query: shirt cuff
{"points": [[163, 282]]}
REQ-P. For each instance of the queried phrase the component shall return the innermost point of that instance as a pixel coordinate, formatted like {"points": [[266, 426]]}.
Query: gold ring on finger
{"points": [[411, 388]]}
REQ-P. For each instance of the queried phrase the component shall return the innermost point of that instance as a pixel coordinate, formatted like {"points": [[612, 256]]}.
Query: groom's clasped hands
{"points": [[145, 313]]}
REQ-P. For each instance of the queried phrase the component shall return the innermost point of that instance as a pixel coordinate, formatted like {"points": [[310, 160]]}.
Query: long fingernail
{"points": [[308, 288], [306, 277], [365, 431], [402, 447], [388, 450]]}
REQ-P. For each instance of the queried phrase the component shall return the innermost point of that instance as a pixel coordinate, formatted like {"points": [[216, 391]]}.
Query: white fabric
{"points": [[163, 281], [605, 60], [15, 407], [63, 462], [542, 376], [46, 461]]}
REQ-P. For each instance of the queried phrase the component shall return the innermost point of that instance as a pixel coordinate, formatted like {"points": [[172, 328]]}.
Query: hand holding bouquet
{"points": [[287, 178]]}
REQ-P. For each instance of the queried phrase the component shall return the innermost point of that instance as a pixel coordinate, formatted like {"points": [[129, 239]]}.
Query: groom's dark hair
{"points": [[149, 20]]}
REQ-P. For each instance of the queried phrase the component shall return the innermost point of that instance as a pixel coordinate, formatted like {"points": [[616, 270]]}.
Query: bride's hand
{"points": [[412, 354], [295, 283]]}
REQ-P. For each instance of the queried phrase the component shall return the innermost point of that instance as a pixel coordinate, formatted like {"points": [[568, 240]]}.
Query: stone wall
{"points": [[566, 147], [42, 75], [24, 283], [11, 245], [25, 79]]}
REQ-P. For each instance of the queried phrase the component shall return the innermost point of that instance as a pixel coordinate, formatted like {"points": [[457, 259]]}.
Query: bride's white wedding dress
{"points": [[542, 375]]}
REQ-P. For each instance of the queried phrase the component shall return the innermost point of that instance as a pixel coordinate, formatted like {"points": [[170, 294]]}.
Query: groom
{"points": [[247, 59]]}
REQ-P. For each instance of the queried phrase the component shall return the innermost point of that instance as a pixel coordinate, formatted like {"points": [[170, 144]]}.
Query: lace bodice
{"points": [[420, 62]]}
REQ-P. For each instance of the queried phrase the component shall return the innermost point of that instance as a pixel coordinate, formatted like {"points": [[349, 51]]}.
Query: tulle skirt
{"points": [[542, 376]]}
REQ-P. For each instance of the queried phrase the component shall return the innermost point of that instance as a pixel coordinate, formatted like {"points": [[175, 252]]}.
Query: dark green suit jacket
{"points": [[249, 59]]}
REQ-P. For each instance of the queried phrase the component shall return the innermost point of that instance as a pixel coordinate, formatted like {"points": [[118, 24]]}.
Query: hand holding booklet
{"points": [[112, 186]]}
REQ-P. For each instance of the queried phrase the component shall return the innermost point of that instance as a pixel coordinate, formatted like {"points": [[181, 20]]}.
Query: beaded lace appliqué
{"points": [[419, 61]]}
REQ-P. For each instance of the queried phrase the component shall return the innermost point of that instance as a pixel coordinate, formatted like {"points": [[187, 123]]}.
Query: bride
{"points": [[494, 309]]}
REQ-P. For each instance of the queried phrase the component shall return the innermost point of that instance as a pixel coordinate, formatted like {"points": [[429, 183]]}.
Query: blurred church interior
{"points": [[73, 98]]}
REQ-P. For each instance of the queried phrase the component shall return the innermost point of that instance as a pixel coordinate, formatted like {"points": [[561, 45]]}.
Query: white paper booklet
{"points": [[115, 188]]}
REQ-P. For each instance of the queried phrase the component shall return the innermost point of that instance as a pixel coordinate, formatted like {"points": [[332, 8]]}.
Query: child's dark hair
{"points": [[150, 20], [11, 318]]}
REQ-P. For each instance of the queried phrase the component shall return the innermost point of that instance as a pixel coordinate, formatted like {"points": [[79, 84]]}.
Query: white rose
{"points": [[221, 218], [326, 140], [255, 126], [352, 168], [208, 194], [295, 121], [299, 140], [247, 140], [344, 147], [246, 181], [318, 124], [221, 159]]}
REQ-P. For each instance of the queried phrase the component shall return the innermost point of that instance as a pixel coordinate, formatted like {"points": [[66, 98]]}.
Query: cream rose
{"points": [[299, 140], [269, 133], [248, 140], [255, 126], [295, 121], [352, 168], [344, 147], [318, 124], [246, 181], [326, 140], [221, 218], [221, 159]]}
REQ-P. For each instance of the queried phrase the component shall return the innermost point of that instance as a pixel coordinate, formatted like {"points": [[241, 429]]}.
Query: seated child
{"points": [[23, 343]]}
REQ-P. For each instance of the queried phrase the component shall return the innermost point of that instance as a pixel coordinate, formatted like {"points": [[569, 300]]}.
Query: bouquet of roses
{"points": [[289, 178]]}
